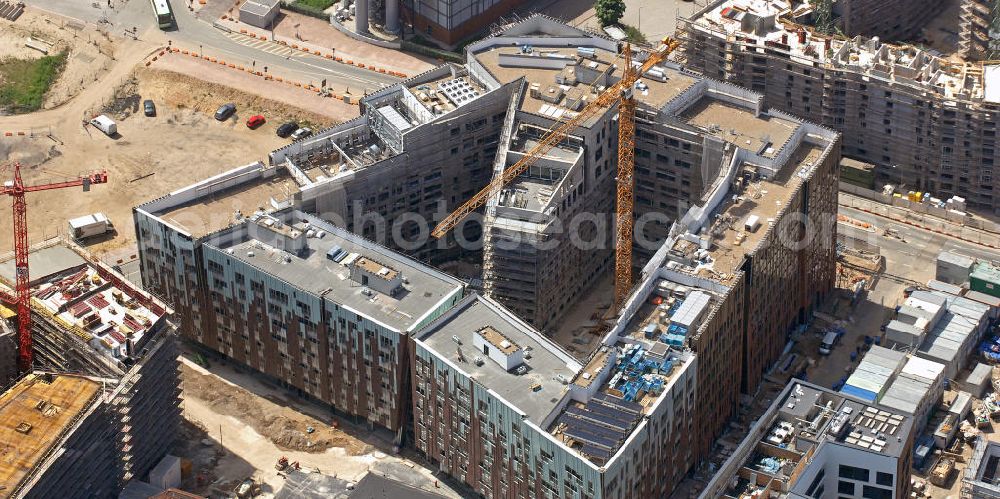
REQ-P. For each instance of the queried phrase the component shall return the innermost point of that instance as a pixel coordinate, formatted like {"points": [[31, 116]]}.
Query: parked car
{"points": [[302, 133], [255, 121], [149, 108], [287, 129], [829, 341], [225, 111]]}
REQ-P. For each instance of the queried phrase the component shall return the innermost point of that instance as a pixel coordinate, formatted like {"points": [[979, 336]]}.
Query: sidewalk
{"points": [[926, 222], [314, 36]]}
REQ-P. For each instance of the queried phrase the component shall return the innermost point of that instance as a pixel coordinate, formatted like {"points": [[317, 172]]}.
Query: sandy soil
{"points": [[90, 52], [140, 167], [283, 100], [284, 427]]}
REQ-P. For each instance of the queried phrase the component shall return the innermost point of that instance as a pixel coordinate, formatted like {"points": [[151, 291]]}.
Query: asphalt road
{"points": [[917, 252], [195, 34]]}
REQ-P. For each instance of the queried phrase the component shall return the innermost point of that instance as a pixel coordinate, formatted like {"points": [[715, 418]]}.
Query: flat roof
{"points": [[43, 411], [423, 287], [45, 262], [656, 95], [546, 364], [763, 134], [213, 210], [764, 200]]}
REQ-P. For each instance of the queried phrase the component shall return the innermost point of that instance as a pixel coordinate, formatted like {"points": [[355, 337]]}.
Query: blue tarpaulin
{"points": [[860, 393]]}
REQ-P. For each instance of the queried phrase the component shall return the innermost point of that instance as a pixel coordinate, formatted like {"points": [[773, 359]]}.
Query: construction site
{"points": [[927, 123], [103, 385], [533, 116]]}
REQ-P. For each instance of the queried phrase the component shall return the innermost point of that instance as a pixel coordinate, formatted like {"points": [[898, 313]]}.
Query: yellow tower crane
{"points": [[622, 93]]}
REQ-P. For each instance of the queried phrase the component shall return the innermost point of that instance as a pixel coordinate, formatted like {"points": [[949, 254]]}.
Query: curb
{"points": [[250, 70], [318, 53]]}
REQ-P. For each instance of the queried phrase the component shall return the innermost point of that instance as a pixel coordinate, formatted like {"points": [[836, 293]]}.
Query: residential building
{"points": [[926, 123], [978, 29], [314, 307], [813, 442]]}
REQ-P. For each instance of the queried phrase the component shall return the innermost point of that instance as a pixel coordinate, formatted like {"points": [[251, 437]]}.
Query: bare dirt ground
{"points": [[236, 427], [283, 101], [89, 51], [284, 427], [153, 156]]}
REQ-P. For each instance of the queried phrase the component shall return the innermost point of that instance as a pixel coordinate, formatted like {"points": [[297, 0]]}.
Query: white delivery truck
{"points": [[105, 124], [94, 224]]}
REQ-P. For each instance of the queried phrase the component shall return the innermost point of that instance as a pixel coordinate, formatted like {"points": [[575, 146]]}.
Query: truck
{"points": [[105, 124], [91, 225]]}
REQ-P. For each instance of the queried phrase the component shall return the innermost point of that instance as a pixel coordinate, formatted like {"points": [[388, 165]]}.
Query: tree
{"points": [[609, 11]]}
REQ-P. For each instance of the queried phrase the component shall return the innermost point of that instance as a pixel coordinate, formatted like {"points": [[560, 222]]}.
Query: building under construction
{"points": [[980, 29], [740, 203], [928, 124], [89, 323]]}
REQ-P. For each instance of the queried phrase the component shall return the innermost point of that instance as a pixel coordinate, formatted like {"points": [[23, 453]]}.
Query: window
{"points": [[870, 492], [859, 474], [845, 487], [883, 479]]}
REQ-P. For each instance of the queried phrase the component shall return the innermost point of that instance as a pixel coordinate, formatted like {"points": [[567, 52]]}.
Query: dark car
{"points": [[225, 111], [286, 129], [149, 108]]}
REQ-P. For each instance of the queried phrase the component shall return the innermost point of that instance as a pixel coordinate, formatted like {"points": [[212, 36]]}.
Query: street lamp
{"points": [[200, 53]]}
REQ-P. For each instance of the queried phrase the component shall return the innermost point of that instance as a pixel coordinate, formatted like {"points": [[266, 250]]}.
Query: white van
{"points": [[828, 343], [105, 124]]}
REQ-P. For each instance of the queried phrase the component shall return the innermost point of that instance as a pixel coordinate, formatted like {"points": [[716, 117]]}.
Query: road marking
{"points": [[264, 45]]}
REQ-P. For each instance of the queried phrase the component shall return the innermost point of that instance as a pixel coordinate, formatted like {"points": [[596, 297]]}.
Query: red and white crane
{"points": [[22, 296]]}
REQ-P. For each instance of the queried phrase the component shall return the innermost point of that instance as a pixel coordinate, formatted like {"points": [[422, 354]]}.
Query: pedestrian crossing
{"points": [[265, 45]]}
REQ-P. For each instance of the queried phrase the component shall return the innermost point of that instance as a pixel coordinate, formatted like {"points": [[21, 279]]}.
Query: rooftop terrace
{"points": [[324, 262], [537, 389], [35, 415]]}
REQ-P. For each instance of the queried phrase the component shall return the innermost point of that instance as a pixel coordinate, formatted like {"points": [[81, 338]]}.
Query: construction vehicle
{"points": [[942, 471], [622, 93], [281, 464], [22, 297]]}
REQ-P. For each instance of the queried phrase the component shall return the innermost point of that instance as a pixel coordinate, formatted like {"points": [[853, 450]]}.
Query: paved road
{"points": [[193, 33], [919, 248]]}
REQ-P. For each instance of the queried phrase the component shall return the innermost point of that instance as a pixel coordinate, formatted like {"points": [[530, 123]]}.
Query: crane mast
{"points": [[625, 195], [22, 292], [622, 93]]}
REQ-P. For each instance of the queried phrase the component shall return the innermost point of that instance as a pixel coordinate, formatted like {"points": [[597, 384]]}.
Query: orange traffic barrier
{"points": [[211, 59], [350, 62], [8, 134], [232, 65], [243, 31], [278, 78], [148, 63], [154, 57], [362, 66], [253, 35], [338, 59], [224, 17], [20, 133], [294, 46], [380, 70], [185, 52], [297, 84], [328, 56], [239, 68], [161, 52]]}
